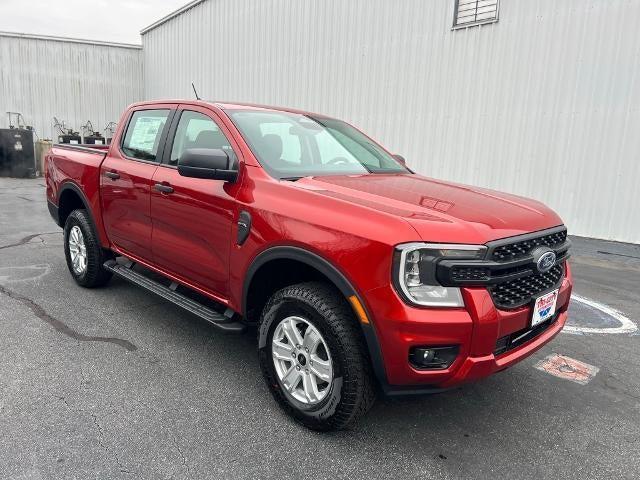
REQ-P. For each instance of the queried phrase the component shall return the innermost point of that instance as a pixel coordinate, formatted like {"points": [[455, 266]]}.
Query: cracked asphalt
{"points": [[117, 383]]}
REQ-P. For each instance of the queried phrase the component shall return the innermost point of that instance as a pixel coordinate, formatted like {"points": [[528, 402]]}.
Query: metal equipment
{"points": [[109, 130], [93, 137], [66, 135]]}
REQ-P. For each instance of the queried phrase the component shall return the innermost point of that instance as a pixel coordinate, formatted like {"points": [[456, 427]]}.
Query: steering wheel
{"points": [[339, 161]]}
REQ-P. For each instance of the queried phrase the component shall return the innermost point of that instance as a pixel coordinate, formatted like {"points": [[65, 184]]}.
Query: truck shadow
{"points": [[500, 403]]}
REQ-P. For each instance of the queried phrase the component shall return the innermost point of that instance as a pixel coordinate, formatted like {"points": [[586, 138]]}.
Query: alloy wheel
{"points": [[302, 360], [77, 250]]}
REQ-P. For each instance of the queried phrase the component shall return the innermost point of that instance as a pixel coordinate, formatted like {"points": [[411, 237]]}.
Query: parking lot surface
{"points": [[117, 383]]}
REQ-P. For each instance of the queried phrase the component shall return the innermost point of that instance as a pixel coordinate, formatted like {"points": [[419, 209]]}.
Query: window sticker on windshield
{"points": [[145, 133]]}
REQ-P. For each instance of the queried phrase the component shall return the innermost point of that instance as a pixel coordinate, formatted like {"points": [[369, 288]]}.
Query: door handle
{"points": [[163, 188], [112, 175]]}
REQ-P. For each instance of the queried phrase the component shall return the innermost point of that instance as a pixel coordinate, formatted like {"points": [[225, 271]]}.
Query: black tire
{"points": [[95, 275], [352, 390]]}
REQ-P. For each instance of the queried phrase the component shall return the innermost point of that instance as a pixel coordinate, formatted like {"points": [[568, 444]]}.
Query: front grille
{"points": [[513, 251], [509, 270], [522, 290]]}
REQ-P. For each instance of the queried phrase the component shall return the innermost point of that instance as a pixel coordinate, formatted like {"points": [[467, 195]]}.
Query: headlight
{"points": [[415, 272]]}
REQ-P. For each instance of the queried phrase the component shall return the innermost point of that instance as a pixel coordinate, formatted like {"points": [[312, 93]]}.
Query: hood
{"points": [[439, 211]]}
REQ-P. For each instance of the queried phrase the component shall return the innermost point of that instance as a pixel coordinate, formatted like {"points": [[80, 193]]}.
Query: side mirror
{"points": [[400, 159], [211, 163]]}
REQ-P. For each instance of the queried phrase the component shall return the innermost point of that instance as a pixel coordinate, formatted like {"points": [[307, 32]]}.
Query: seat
{"points": [[210, 139], [271, 148]]}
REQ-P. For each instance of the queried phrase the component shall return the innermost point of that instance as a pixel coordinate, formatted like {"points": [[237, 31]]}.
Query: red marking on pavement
{"points": [[567, 368]]}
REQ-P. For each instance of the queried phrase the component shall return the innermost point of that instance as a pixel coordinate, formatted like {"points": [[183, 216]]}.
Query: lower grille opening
{"points": [[514, 340]]}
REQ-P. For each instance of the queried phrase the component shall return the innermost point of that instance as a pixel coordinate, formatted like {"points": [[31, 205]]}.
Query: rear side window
{"points": [[196, 130], [143, 134]]}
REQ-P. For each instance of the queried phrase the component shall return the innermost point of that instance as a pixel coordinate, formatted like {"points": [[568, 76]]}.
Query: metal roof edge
{"points": [[69, 40], [173, 14]]}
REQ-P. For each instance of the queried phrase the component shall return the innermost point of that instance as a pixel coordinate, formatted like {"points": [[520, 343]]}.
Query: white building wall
{"points": [[544, 103], [76, 81]]}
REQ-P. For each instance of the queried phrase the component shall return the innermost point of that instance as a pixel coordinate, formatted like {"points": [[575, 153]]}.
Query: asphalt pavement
{"points": [[117, 383]]}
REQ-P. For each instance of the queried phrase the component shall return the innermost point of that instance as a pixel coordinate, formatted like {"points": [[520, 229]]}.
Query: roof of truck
{"points": [[223, 105], [254, 106]]}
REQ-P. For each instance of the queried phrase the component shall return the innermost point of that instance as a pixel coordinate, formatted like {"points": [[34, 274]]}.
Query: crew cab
{"points": [[359, 275]]}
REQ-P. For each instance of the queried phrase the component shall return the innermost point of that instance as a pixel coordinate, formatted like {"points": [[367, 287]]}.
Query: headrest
{"points": [[272, 145], [209, 139]]}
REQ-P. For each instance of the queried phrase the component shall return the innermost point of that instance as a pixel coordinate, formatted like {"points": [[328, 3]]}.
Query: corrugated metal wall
{"points": [[74, 81], [545, 103]]}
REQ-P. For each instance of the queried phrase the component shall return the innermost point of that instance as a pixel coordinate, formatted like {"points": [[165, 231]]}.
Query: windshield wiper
{"points": [[291, 179]]}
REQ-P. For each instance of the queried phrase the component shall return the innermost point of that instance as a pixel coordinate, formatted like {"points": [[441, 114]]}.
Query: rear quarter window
{"points": [[144, 131]]}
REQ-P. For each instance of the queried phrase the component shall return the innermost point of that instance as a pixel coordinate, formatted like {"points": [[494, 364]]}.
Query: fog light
{"points": [[433, 358]]}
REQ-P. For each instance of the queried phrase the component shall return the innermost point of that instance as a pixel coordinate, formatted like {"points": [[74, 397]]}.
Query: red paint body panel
{"points": [[126, 204], [353, 222], [441, 211], [475, 328], [192, 223]]}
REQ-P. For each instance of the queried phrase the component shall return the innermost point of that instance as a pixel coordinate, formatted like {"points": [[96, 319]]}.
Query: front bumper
{"points": [[475, 328]]}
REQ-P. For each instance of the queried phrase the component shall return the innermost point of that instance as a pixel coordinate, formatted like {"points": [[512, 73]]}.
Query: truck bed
{"points": [[76, 167]]}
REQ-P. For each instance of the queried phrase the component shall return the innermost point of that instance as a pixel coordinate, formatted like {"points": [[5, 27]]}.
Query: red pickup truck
{"points": [[360, 275]]}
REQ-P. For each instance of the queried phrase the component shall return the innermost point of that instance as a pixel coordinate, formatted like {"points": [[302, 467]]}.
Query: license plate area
{"points": [[544, 307]]}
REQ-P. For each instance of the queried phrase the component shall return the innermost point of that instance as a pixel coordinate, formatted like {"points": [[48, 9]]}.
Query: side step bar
{"points": [[223, 322]]}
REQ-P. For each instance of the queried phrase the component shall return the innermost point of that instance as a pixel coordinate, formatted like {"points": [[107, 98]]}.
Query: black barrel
{"points": [[17, 153]]}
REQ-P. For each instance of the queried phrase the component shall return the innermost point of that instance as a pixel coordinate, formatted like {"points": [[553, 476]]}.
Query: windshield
{"points": [[290, 145]]}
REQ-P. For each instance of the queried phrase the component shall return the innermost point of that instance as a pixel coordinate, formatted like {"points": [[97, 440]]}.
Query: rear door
{"points": [[126, 179], [193, 217]]}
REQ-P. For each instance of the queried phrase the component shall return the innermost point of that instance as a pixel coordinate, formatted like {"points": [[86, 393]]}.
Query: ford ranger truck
{"points": [[359, 275]]}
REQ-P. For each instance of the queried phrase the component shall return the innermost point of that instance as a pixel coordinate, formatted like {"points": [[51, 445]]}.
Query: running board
{"points": [[219, 320]]}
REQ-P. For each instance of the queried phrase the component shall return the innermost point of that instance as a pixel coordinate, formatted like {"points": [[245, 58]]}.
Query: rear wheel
{"points": [[85, 257], [313, 357]]}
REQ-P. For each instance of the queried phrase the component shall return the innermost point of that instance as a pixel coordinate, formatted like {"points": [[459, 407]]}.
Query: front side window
{"points": [[196, 130], [143, 134], [290, 145]]}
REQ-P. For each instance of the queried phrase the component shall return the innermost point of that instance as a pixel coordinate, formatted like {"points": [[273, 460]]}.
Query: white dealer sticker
{"points": [[544, 308]]}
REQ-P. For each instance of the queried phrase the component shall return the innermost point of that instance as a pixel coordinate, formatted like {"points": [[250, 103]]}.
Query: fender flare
{"points": [[69, 185], [337, 278]]}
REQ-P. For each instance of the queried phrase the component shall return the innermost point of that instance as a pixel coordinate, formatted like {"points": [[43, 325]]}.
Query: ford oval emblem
{"points": [[546, 261]]}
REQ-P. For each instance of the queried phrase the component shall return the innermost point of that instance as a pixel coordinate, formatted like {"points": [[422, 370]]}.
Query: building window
{"points": [[474, 12]]}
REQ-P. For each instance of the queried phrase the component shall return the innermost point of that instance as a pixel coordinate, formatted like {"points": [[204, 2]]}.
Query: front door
{"points": [[125, 180], [192, 217]]}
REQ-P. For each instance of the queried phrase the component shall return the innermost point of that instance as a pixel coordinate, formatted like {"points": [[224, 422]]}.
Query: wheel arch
{"points": [[70, 198], [325, 270]]}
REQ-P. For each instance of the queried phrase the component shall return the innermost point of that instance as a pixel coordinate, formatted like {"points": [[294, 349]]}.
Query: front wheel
{"points": [[313, 357]]}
